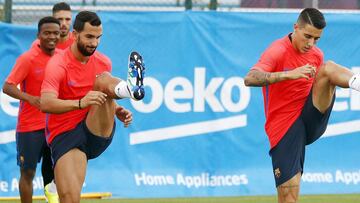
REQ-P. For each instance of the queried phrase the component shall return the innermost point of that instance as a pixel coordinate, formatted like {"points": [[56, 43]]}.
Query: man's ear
{"points": [[296, 26], [75, 34]]}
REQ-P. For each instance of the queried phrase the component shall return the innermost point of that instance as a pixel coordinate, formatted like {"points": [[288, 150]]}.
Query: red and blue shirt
{"points": [[285, 100], [69, 79]]}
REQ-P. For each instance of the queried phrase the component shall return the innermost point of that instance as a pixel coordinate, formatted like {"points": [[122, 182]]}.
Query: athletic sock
{"points": [[122, 90], [354, 82], [52, 187]]}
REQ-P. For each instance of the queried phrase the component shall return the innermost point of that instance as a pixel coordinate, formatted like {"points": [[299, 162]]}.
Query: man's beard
{"points": [[81, 47], [62, 35]]}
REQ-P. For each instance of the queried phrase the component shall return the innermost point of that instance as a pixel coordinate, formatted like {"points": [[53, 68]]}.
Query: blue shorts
{"points": [[30, 147], [80, 137], [289, 154]]}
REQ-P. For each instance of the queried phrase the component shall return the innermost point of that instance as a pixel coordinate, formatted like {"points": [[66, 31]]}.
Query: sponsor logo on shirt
{"points": [[71, 83]]}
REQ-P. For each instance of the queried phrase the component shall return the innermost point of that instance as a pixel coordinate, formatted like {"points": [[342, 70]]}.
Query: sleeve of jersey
{"points": [[19, 71], [54, 74], [269, 59]]}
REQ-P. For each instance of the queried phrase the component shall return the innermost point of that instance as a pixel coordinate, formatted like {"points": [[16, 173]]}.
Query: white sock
{"points": [[122, 91], [354, 82], [52, 187]]}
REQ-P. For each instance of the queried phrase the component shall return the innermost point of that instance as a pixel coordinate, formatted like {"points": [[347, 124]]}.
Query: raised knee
{"points": [[102, 77], [325, 69], [104, 74], [106, 83], [328, 67], [330, 63], [101, 82]]}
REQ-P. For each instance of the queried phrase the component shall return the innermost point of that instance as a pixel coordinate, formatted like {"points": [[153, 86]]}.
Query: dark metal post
{"points": [[188, 4], [213, 5], [7, 10]]}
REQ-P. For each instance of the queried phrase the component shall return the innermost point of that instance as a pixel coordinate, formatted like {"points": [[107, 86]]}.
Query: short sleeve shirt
{"points": [[69, 79], [284, 101], [28, 71]]}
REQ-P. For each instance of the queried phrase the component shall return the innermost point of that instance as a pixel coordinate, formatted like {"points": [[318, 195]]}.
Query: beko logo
{"points": [[180, 95], [195, 94]]}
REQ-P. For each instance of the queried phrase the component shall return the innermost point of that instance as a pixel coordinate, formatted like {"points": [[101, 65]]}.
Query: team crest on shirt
{"points": [[277, 173]]}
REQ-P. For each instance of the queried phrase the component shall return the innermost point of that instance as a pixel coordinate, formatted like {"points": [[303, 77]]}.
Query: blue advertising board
{"points": [[199, 131]]}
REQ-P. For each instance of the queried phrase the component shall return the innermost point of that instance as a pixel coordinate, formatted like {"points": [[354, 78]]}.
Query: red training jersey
{"points": [[28, 71], [65, 44], [285, 100], [69, 79]]}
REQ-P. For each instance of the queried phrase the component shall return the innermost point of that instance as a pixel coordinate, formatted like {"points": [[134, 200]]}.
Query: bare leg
{"points": [[329, 76], [288, 192], [26, 185], [106, 83], [70, 172], [70, 169], [100, 119]]}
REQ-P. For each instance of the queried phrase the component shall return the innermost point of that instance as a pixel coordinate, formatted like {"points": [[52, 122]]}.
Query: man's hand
{"points": [[34, 101], [307, 71], [123, 115], [93, 98], [13, 91]]}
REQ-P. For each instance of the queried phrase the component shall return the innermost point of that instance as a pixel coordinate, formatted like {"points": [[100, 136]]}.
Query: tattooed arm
{"points": [[258, 78]]}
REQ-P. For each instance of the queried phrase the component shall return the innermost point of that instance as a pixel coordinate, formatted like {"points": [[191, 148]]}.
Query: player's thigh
{"points": [[66, 141], [70, 169], [96, 145], [100, 119], [323, 90], [29, 147], [289, 154], [315, 121]]}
